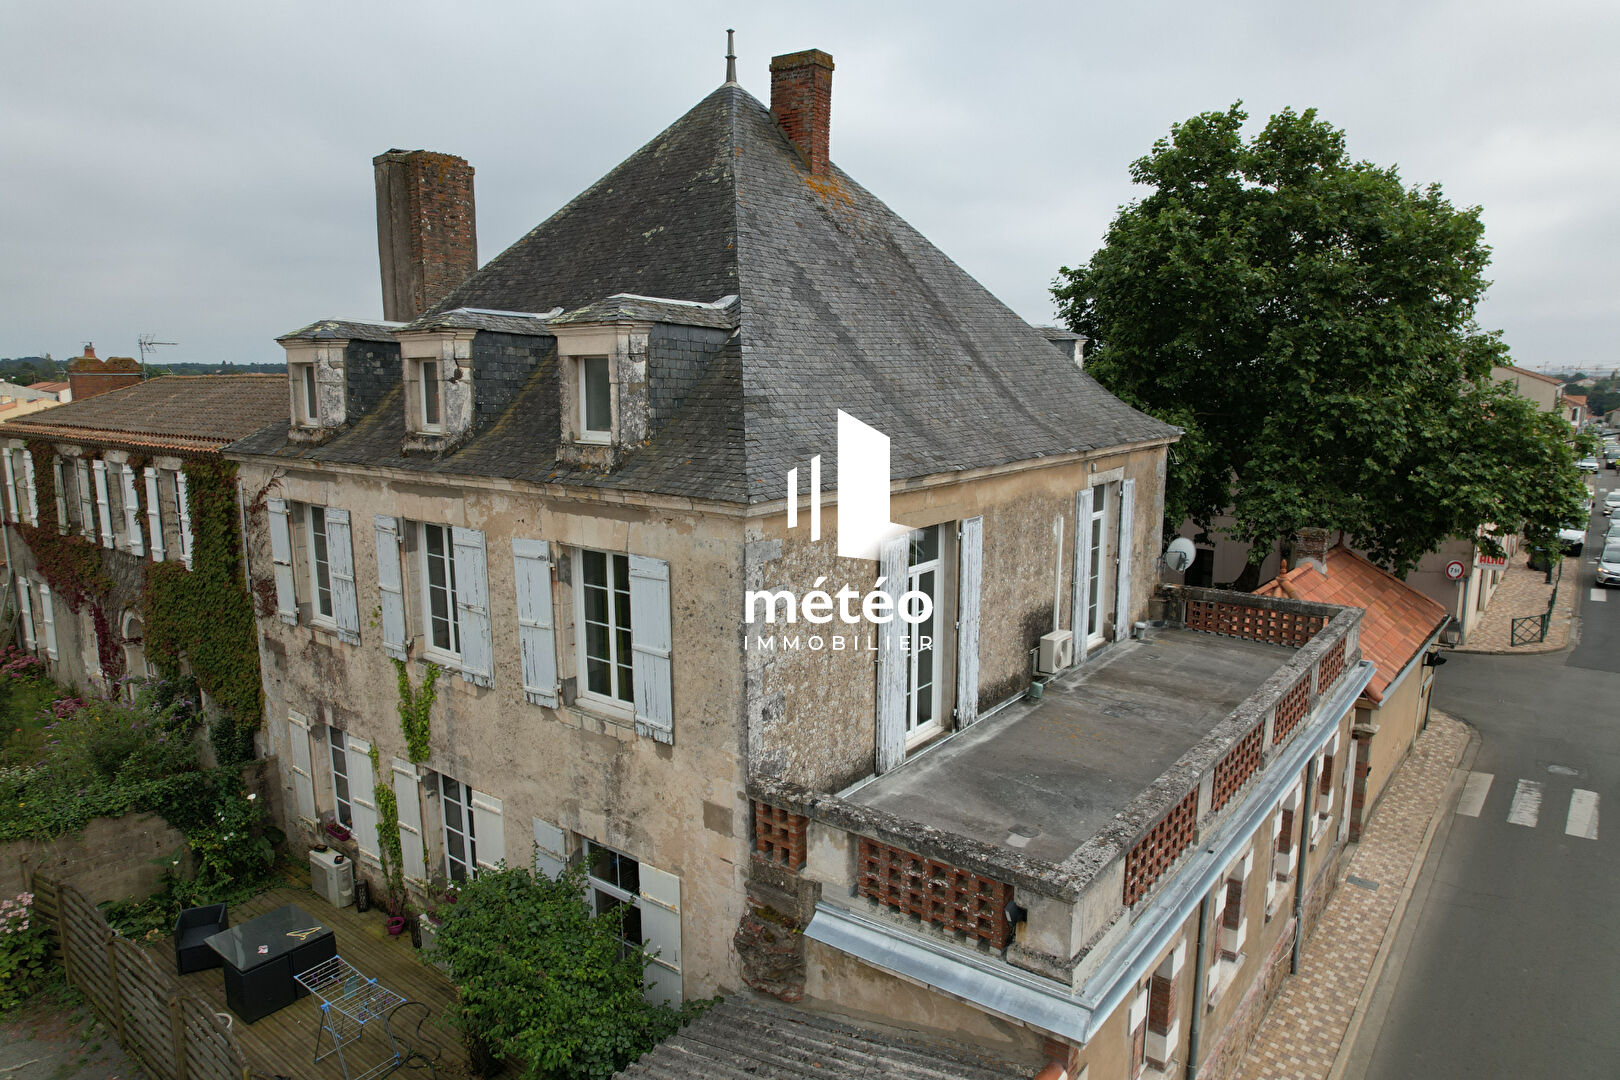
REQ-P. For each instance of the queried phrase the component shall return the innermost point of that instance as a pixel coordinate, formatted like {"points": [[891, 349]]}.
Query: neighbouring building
{"points": [[1574, 409], [1060, 815], [18, 400]]}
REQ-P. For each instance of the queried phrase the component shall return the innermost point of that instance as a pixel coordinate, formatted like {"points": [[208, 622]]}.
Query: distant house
{"points": [[1574, 407], [16, 400]]}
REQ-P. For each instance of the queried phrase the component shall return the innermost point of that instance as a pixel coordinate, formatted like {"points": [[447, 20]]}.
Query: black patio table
{"points": [[263, 955]]}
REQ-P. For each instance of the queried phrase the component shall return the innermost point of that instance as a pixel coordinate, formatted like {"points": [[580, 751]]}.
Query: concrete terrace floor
{"points": [[1043, 777]]}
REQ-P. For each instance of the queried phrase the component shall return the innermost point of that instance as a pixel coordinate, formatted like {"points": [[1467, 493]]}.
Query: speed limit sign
{"points": [[1455, 570]]}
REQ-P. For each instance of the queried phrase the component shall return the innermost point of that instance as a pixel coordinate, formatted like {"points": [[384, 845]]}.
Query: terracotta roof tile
{"points": [[184, 413]]}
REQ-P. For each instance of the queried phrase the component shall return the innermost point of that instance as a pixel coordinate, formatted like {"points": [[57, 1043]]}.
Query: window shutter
{"points": [[132, 511], [1081, 588], [154, 514], [33, 490], [661, 933], [1127, 532], [537, 638], [340, 565], [550, 849], [11, 485], [25, 605], [472, 607], [388, 580], [183, 497], [363, 797], [87, 502], [103, 503], [891, 682], [281, 553], [489, 831], [303, 780], [61, 496], [970, 573], [408, 797], [47, 611], [650, 648]]}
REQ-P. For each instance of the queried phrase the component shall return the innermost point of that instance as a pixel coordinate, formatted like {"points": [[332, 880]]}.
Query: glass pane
{"points": [[452, 812], [621, 608], [925, 545], [345, 815], [595, 604], [594, 565], [323, 575], [311, 401], [597, 679], [340, 763], [925, 704], [600, 862], [598, 399], [340, 788], [430, 394], [454, 847], [596, 641], [627, 686], [630, 929], [629, 875]]}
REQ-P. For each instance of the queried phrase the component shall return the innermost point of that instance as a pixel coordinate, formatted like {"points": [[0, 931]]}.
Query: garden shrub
{"points": [[24, 951]]}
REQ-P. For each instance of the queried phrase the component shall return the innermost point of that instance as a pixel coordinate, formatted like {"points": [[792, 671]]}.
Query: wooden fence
{"points": [[174, 1034]]}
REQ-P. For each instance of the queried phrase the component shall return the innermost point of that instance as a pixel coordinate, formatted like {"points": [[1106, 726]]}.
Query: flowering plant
{"points": [[24, 951]]}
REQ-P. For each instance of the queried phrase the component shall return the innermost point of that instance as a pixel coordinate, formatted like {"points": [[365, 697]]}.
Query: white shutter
{"points": [[11, 485], [25, 605], [408, 798], [1081, 587], [61, 496], [33, 490], [103, 503], [660, 904], [1127, 534], [891, 680], [340, 565], [132, 511], [537, 638], [183, 497], [363, 797], [47, 612], [472, 607], [303, 780], [388, 580], [970, 572], [650, 647], [87, 502], [154, 514], [489, 830], [550, 849], [281, 553]]}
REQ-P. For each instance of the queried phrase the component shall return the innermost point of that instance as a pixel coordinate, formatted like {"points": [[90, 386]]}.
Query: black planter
{"points": [[362, 896]]}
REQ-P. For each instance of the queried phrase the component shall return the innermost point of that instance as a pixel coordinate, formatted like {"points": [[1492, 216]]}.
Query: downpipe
{"points": [[1305, 818], [1195, 1025]]}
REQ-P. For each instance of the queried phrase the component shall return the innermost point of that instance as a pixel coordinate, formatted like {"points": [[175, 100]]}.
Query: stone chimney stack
{"points": [[427, 230], [801, 101], [1310, 548], [89, 376]]}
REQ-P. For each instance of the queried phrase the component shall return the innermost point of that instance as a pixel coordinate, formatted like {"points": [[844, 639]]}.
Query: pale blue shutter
{"points": [[11, 484], [363, 798], [26, 605], [47, 614], [489, 831], [389, 583], [891, 680], [408, 800], [650, 645], [550, 849], [61, 496], [537, 637], [472, 607], [103, 502], [281, 553], [183, 497], [87, 502], [1127, 531], [154, 514], [659, 898], [340, 566], [132, 511], [970, 572], [1082, 571], [33, 489]]}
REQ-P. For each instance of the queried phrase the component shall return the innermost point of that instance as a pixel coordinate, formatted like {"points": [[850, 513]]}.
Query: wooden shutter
{"points": [[537, 637], [891, 678], [281, 553], [472, 607], [408, 797], [1127, 544], [87, 501], [550, 849], [489, 830], [970, 573], [103, 503], [650, 648], [61, 496], [154, 514], [303, 779], [11, 484], [132, 511], [362, 797], [1081, 588], [340, 566], [25, 605], [183, 497], [660, 904], [31, 487], [388, 581], [47, 613]]}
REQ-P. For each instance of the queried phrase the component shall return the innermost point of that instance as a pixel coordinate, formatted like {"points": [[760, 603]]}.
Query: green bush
{"points": [[24, 952]]}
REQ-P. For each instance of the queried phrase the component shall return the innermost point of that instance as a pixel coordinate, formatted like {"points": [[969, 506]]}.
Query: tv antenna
{"points": [[149, 343]]}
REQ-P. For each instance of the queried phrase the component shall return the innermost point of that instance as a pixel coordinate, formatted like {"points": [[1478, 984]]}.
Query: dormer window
{"points": [[306, 398], [428, 379], [438, 373], [595, 400]]}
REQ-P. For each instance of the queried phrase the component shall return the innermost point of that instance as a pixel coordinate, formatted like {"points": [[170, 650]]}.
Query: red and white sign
{"points": [[1455, 570], [1491, 562]]}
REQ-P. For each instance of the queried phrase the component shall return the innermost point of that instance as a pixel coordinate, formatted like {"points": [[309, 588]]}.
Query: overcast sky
{"points": [[202, 171]]}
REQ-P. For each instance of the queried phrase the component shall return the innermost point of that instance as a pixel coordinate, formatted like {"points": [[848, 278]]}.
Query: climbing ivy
{"points": [[415, 708], [389, 848]]}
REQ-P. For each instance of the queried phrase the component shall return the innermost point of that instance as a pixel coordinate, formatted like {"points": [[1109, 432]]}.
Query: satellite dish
{"points": [[1179, 555]]}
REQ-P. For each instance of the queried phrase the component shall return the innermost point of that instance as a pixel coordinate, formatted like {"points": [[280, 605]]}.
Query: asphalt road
{"points": [[1509, 962]]}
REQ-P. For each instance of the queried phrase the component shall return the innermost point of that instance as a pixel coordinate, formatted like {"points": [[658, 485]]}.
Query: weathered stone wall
{"points": [[110, 859]]}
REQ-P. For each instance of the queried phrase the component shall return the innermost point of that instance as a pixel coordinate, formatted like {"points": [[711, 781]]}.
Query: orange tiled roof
{"points": [[182, 413], [1576, 399], [1399, 619]]}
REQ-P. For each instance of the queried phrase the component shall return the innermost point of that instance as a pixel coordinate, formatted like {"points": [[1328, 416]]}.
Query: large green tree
{"points": [[1308, 320]]}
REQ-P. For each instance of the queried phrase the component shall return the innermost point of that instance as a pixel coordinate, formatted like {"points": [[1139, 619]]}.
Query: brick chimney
{"points": [[801, 101], [1310, 548], [427, 230], [88, 376]]}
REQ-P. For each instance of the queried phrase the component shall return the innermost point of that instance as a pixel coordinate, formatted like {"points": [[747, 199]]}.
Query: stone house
{"points": [[591, 486]]}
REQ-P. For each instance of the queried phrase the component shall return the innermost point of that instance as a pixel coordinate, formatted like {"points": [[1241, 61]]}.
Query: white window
{"points": [[924, 699], [615, 881], [603, 613], [651, 899], [440, 626], [340, 781], [427, 373], [320, 567], [595, 399], [460, 839], [1096, 538], [306, 397]]}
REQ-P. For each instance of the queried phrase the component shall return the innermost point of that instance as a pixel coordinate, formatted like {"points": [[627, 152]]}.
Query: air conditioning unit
{"points": [[1057, 652], [331, 875]]}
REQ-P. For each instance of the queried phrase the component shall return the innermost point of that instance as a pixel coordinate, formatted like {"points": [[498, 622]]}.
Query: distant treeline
{"points": [[27, 370]]}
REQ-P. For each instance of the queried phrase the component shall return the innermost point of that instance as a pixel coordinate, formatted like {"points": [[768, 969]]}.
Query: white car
{"points": [[1611, 501], [1587, 464], [1609, 564], [1573, 539]]}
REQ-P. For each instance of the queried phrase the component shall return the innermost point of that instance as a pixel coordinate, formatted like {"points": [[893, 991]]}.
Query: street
{"points": [[1507, 965]]}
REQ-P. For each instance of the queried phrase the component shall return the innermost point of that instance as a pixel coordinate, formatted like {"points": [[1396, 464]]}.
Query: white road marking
{"points": [[1599, 594], [1475, 788], [1526, 808], [1583, 815]]}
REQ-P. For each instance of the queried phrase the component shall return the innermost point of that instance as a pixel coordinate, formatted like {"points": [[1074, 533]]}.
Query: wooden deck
{"points": [[283, 1043]]}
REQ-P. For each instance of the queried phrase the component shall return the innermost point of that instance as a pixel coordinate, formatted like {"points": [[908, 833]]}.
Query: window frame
{"points": [[1104, 500], [306, 393], [424, 557], [468, 831], [318, 555], [342, 804], [613, 891], [611, 702], [423, 382], [918, 733], [583, 432]]}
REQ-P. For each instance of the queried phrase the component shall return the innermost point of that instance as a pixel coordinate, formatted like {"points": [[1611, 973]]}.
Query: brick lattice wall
{"points": [[935, 892], [1253, 623], [1331, 666], [1160, 847], [1291, 709], [779, 836], [1236, 767]]}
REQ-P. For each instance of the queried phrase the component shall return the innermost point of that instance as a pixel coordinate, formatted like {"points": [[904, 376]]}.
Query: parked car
{"points": [[1609, 564], [1587, 464], [1614, 530], [1610, 502], [1573, 539]]}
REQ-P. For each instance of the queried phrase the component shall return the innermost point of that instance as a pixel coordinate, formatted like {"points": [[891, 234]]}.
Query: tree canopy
{"points": [[1308, 320]]}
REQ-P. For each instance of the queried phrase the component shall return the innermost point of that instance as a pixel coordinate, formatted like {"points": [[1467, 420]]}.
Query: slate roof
{"points": [[181, 413], [343, 330], [842, 305], [503, 322], [741, 1039], [627, 307], [1399, 619]]}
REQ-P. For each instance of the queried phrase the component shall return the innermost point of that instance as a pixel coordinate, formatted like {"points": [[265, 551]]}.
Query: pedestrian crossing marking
{"points": [[1583, 815], [1475, 788], [1526, 808], [1599, 594]]}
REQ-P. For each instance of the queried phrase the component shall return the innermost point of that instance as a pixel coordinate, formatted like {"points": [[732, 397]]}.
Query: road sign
{"points": [[1455, 570]]}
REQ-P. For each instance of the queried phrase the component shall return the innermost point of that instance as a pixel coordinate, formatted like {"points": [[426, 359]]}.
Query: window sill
{"points": [[584, 718], [1225, 975]]}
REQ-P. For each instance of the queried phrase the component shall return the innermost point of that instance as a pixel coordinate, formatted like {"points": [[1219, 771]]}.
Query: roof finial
{"points": [[731, 59]]}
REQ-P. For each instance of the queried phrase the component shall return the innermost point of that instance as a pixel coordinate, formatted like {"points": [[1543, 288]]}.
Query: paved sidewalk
{"points": [[1303, 1031], [1526, 592]]}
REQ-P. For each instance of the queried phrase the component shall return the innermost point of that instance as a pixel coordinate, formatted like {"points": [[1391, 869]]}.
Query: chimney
{"points": [[801, 101], [427, 231], [1310, 548], [89, 377]]}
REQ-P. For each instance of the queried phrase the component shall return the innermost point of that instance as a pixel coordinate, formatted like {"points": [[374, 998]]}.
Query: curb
{"points": [[1440, 821]]}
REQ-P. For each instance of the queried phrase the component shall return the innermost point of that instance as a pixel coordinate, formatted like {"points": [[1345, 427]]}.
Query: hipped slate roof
{"points": [[1399, 619], [842, 305], [179, 413]]}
